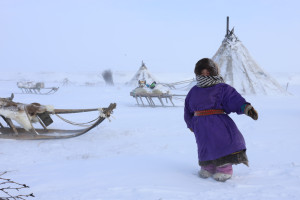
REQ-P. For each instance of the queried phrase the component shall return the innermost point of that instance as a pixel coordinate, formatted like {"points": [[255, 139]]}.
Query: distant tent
{"points": [[240, 70], [142, 74]]}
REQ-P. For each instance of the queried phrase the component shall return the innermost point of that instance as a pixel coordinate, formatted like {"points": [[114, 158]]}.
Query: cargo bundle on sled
{"points": [[26, 115]]}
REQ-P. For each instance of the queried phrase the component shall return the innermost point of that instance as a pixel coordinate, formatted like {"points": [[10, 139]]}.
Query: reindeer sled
{"points": [[35, 88], [151, 92], [155, 94], [28, 114]]}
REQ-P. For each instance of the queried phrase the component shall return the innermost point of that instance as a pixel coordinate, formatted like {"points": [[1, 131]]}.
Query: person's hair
{"points": [[209, 64]]}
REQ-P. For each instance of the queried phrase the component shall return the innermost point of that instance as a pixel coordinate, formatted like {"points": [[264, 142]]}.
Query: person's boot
{"points": [[207, 171], [223, 172]]}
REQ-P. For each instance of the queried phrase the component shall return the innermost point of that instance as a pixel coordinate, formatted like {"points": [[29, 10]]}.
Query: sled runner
{"points": [[149, 98], [35, 88], [28, 114]]}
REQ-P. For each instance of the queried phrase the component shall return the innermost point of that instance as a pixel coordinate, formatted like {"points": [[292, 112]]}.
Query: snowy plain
{"points": [[148, 153]]}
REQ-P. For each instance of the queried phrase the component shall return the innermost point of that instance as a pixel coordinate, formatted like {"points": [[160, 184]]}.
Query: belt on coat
{"points": [[208, 112]]}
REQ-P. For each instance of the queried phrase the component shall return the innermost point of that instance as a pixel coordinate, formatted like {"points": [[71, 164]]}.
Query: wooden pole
{"points": [[227, 26], [65, 111]]}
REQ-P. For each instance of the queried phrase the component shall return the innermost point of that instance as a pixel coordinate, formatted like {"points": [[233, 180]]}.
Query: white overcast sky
{"points": [[93, 35]]}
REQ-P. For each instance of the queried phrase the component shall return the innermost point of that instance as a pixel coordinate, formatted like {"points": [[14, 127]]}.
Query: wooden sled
{"points": [[149, 99], [42, 91], [164, 97], [38, 113], [36, 88]]}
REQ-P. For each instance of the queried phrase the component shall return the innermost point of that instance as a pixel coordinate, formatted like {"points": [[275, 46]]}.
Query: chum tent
{"points": [[142, 74], [240, 70]]}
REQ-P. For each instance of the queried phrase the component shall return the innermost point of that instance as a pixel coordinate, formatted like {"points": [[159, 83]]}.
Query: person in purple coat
{"points": [[207, 105]]}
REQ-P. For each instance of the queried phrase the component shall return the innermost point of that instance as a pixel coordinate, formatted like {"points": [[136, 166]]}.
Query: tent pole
{"points": [[227, 26]]}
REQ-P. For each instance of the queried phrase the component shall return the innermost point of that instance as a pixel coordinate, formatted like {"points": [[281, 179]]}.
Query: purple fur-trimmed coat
{"points": [[216, 135]]}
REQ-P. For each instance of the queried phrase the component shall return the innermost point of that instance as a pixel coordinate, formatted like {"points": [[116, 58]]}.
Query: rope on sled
{"points": [[172, 85], [179, 98], [75, 123], [85, 124], [181, 82]]}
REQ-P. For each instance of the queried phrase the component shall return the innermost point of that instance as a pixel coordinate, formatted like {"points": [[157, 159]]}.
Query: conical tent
{"points": [[142, 74], [239, 69]]}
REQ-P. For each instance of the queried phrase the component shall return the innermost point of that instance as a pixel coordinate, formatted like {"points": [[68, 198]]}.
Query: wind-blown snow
{"points": [[148, 153]]}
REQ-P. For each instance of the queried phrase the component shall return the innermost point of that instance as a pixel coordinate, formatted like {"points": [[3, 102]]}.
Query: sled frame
{"points": [[51, 90], [149, 98], [13, 132]]}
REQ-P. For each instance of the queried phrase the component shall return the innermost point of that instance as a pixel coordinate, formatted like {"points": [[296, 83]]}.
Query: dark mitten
{"points": [[191, 130], [251, 112]]}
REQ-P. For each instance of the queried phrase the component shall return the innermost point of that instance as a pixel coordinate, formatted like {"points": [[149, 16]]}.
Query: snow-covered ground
{"points": [[148, 153]]}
